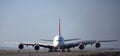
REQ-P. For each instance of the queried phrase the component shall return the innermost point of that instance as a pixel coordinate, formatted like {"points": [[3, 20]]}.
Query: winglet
{"points": [[59, 31]]}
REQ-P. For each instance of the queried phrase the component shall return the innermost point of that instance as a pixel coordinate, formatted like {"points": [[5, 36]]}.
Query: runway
{"points": [[96, 52]]}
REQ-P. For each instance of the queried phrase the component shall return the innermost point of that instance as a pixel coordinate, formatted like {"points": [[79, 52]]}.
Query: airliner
{"points": [[60, 45]]}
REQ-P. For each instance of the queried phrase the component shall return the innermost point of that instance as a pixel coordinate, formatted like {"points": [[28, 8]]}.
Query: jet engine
{"points": [[81, 46], [97, 45], [21, 46], [36, 47]]}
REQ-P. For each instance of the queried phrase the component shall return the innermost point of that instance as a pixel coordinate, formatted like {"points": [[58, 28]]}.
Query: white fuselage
{"points": [[58, 41]]}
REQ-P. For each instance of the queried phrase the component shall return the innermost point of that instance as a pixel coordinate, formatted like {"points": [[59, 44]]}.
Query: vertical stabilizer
{"points": [[59, 31]]}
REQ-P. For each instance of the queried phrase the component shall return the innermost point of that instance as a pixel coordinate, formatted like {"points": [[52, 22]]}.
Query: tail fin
{"points": [[59, 31]]}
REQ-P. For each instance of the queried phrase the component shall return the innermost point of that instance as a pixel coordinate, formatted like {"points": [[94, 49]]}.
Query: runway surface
{"points": [[87, 52]]}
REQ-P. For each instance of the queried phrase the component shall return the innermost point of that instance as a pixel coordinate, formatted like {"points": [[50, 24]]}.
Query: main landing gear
{"points": [[68, 50], [56, 50]]}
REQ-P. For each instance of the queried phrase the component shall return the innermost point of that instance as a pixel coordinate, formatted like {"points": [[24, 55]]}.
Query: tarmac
{"points": [[74, 52]]}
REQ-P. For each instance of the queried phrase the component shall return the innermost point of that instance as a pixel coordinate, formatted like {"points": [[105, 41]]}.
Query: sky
{"points": [[32, 20]]}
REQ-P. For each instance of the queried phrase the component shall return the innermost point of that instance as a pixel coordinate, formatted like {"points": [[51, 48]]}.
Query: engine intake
{"points": [[97, 45], [21, 46], [36, 47], [81, 47]]}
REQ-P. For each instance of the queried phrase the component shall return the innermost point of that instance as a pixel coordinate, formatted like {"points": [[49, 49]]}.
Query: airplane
{"points": [[60, 45]]}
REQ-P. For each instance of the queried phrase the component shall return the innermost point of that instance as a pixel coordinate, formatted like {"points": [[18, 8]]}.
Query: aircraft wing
{"points": [[38, 44], [86, 42], [22, 44], [107, 40], [94, 41]]}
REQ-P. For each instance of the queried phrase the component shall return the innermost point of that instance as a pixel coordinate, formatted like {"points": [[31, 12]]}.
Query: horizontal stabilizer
{"points": [[72, 39], [46, 40]]}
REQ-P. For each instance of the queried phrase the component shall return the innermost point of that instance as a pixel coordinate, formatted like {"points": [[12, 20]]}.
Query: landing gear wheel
{"points": [[55, 50], [68, 50], [50, 50], [63, 50]]}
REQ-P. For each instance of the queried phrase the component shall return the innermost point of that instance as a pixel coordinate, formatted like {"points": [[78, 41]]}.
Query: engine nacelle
{"points": [[36, 47], [97, 45], [21, 46], [81, 47]]}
